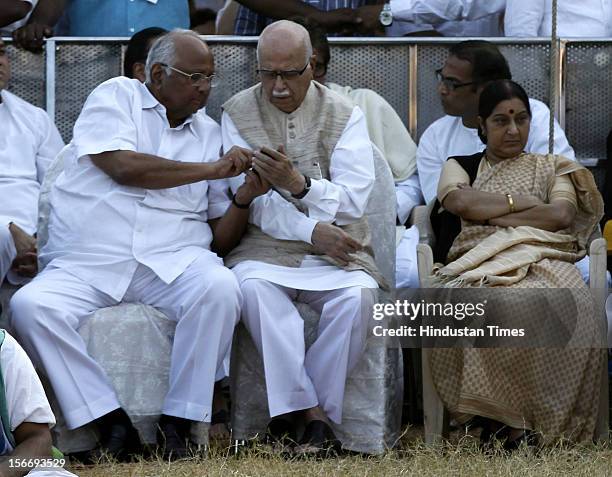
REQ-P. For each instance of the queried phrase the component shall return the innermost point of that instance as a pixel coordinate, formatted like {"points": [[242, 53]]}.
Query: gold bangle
{"points": [[510, 202]]}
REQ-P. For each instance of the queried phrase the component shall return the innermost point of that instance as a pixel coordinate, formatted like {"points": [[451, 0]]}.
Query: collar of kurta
{"points": [[150, 102]]}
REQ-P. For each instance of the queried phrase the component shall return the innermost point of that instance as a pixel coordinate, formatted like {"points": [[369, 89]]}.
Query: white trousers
{"points": [[205, 302], [406, 267], [7, 251], [297, 379]]}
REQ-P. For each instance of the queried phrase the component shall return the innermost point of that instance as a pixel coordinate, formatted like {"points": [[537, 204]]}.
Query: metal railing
{"points": [[400, 69]]}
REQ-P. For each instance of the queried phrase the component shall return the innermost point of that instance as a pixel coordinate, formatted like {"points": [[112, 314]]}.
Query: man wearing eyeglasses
{"points": [[470, 66], [137, 216], [308, 237]]}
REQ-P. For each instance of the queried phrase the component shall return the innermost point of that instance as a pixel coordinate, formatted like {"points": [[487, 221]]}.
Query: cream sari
{"points": [[554, 391]]}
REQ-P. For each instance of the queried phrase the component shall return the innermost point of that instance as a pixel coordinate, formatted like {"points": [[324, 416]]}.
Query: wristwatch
{"points": [[306, 190], [386, 15]]}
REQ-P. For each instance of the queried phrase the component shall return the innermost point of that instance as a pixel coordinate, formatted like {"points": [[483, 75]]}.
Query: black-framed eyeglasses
{"points": [[285, 75], [195, 78], [450, 84]]}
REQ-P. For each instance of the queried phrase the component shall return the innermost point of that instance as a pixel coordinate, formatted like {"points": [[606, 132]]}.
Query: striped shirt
{"points": [[249, 23]]}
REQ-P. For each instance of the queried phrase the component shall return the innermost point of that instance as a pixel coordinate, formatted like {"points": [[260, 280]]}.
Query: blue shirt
{"points": [[249, 23], [124, 17]]}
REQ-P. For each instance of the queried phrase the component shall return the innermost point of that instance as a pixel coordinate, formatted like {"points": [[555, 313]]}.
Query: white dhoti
{"points": [[297, 379], [204, 300], [7, 251]]}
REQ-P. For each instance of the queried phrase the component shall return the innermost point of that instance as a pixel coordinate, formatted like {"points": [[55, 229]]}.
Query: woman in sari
{"points": [[524, 221]]}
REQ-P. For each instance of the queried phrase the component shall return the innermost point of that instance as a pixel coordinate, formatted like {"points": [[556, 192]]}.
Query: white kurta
{"points": [[297, 378], [28, 143], [99, 230], [25, 397], [342, 199], [584, 18], [109, 242], [448, 137]]}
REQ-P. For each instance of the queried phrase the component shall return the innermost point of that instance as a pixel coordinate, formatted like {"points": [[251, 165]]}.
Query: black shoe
{"points": [[318, 440], [173, 435], [280, 434], [118, 441]]}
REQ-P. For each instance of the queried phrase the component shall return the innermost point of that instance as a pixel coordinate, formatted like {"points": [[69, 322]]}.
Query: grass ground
{"points": [[460, 457]]}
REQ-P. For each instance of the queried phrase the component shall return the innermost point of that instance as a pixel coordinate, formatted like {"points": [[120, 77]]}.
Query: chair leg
{"points": [[603, 417], [433, 408]]}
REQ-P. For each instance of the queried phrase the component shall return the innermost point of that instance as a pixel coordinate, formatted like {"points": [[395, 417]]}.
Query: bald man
{"points": [[308, 239], [137, 216]]}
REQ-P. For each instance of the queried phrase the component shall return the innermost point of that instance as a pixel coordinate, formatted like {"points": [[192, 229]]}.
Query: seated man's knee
{"points": [[25, 306], [252, 287]]}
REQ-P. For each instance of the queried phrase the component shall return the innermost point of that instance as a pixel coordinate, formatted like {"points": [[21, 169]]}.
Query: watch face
{"points": [[386, 18]]}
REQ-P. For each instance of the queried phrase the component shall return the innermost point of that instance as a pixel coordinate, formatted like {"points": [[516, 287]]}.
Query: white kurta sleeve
{"points": [[25, 396], [408, 194], [50, 144], [523, 18], [271, 212], [343, 199], [429, 164], [434, 12], [108, 105], [538, 132]]}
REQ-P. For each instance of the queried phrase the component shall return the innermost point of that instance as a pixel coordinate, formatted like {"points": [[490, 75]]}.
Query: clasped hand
{"points": [[276, 168], [26, 260]]}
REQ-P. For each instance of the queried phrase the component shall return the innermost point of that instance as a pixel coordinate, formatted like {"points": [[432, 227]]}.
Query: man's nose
{"points": [[279, 83]]}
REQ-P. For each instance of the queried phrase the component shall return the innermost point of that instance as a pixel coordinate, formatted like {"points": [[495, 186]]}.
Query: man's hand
{"points": [[233, 163], [253, 186], [334, 242], [25, 262], [278, 170], [368, 20], [32, 35]]}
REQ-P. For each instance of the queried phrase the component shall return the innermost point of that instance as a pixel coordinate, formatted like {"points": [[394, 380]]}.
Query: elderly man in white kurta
{"points": [[28, 143], [129, 222], [308, 239]]}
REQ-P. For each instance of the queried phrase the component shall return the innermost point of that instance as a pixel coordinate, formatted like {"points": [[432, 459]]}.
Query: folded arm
{"points": [[557, 215]]}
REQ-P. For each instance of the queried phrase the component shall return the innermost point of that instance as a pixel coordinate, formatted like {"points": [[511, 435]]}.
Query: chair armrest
{"points": [[420, 218]]}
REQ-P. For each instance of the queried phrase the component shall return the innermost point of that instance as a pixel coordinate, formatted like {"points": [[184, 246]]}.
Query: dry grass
{"points": [[458, 458]]}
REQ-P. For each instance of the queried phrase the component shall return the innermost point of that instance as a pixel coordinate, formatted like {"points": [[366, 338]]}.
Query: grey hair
{"points": [[163, 49], [293, 28]]}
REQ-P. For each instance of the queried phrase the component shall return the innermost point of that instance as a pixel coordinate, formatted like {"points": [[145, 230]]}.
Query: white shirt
{"points": [[448, 137], [25, 397], [99, 230], [342, 200], [583, 18], [448, 17], [29, 141], [9, 29]]}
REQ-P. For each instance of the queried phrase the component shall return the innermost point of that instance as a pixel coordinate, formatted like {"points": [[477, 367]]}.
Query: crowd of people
{"points": [[215, 224], [30, 21]]}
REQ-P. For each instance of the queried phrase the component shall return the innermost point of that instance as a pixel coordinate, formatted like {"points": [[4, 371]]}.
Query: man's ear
{"points": [[138, 72], [157, 74]]}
